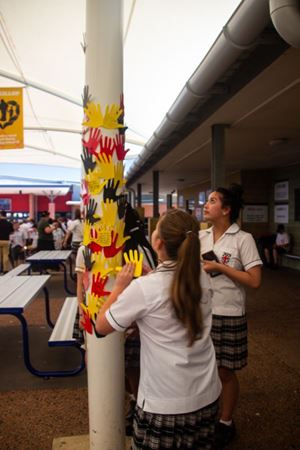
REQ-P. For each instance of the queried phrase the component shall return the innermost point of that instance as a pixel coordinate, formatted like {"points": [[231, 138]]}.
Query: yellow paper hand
{"points": [[111, 117], [105, 167], [109, 212], [137, 259], [94, 304], [120, 230], [86, 234], [101, 265], [95, 183], [118, 173], [94, 115]]}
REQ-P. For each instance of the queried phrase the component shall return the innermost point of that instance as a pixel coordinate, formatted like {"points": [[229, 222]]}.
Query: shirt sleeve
{"points": [[249, 253], [80, 265], [129, 307], [71, 225]]}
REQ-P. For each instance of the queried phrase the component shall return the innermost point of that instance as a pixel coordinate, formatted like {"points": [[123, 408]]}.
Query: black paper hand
{"points": [[87, 160], [110, 190], [90, 211], [87, 255], [86, 96], [122, 202]]}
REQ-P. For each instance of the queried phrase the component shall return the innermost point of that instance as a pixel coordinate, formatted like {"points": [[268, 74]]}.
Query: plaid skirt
{"points": [[229, 335], [132, 351], [193, 431]]}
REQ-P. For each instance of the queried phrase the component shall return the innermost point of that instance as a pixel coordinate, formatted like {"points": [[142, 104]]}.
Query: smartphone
{"points": [[211, 256]]}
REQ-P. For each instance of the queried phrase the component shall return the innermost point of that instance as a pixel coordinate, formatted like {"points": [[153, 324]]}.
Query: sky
{"points": [[41, 41]]}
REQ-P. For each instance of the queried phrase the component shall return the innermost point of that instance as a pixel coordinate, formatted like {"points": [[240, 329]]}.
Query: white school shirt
{"points": [[174, 378], [79, 264], [282, 239], [76, 228], [237, 249], [17, 238]]}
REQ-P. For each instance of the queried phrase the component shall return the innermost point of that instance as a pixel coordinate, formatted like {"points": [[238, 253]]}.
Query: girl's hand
{"points": [[211, 266], [124, 277]]}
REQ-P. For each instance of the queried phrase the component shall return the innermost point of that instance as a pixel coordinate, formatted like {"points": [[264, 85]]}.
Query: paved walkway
{"points": [[35, 411]]}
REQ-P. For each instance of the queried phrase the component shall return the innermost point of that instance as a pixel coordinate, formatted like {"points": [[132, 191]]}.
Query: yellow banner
{"points": [[11, 118]]}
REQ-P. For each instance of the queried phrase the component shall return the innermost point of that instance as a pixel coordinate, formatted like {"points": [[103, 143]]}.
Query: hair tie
{"points": [[188, 232]]}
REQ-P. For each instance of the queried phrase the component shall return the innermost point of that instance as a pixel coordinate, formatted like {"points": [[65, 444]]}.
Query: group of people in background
{"points": [[21, 239]]}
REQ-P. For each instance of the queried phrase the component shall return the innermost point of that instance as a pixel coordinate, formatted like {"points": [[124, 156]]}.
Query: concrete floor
{"points": [[37, 412]]}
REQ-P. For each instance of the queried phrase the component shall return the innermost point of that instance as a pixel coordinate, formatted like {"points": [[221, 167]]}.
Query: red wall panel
{"points": [[19, 202]]}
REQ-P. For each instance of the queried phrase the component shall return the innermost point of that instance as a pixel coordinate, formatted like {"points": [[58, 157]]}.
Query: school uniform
{"points": [[76, 228], [179, 385], [237, 249]]}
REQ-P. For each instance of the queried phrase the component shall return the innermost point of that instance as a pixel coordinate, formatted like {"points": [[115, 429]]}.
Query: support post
{"points": [[169, 201], [218, 155], [139, 195], [31, 207], [104, 78], [155, 193]]}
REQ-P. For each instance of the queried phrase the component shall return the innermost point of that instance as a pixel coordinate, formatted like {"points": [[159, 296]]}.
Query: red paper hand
{"points": [[119, 143], [113, 250], [87, 322], [93, 142], [95, 248], [106, 145], [98, 285], [84, 192]]}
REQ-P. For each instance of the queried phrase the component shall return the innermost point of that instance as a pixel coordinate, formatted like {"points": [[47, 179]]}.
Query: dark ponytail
{"points": [[179, 232], [232, 198]]}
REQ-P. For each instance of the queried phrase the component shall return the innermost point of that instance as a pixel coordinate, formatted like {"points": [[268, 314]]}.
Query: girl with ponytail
{"points": [[179, 385]]}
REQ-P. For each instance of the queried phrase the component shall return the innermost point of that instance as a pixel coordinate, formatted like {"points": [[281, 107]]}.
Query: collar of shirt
{"points": [[234, 228]]}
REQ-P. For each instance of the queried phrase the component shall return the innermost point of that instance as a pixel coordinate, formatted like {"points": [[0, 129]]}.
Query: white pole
{"points": [[105, 366]]}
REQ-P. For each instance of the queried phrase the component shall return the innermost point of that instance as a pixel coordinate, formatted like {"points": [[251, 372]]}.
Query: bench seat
{"points": [[62, 333], [290, 256], [17, 270]]}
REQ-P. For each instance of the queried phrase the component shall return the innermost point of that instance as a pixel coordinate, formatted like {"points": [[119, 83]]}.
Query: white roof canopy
{"points": [[41, 48]]}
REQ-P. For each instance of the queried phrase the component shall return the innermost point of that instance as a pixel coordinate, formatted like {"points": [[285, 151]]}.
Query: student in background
{"points": [[45, 231], [58, 235], [280, 247], [6, 228], [75, 229], [17, 244], [234, 264]]}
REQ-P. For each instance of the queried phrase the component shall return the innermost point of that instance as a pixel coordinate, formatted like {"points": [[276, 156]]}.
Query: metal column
{"points": [[169, 201], [139, 195], [218, 155], [104, 77], [155, 193]]}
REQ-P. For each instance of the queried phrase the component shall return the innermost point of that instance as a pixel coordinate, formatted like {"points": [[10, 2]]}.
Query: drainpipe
{"points": [[285, 15]]}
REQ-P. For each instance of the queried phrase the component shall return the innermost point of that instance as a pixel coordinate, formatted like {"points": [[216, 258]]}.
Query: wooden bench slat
{"points": [[63, 330]]}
